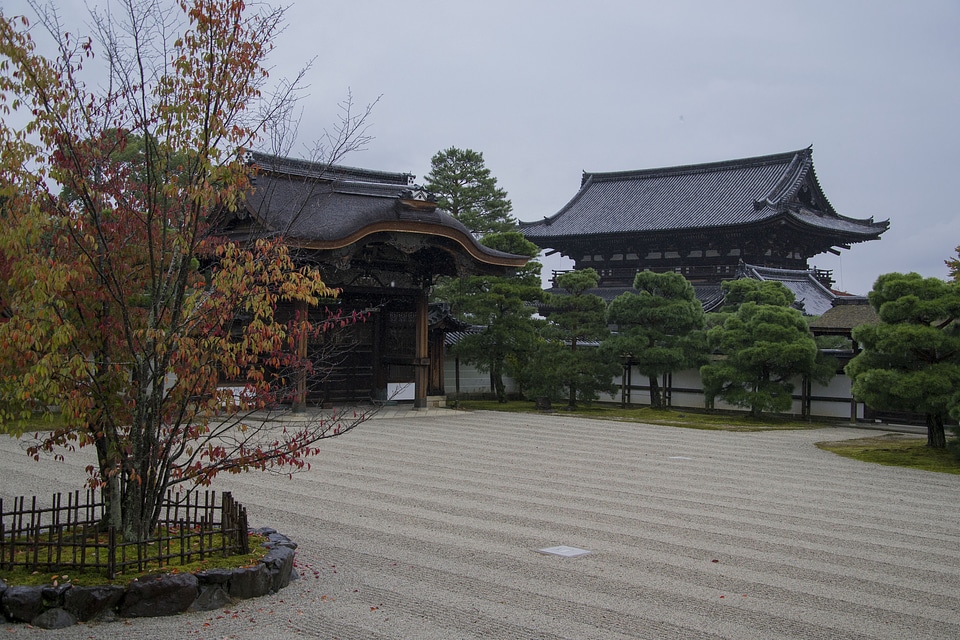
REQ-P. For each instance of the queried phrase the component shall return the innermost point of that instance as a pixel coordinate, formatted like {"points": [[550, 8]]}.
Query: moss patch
{"points": [[896, 449], [25, 577], [687, 419]]}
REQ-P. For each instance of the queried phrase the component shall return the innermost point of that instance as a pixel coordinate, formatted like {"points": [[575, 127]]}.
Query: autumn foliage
{"points": [[120, 304]]}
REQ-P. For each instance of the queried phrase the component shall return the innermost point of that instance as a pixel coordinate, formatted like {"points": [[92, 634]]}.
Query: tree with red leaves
{"points": [[120, 305]]}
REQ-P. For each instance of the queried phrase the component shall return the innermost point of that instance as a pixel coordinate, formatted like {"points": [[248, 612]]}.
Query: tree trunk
{"points": [[656, 397], [496, 378], [572, 404], [145, 462], [936, 439], [105, 441]]}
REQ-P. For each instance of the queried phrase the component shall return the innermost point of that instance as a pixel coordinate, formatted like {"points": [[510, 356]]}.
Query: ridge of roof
{"points": [[790, 181], [325, 170], [777, 271], [589, 178], [705, 167]]}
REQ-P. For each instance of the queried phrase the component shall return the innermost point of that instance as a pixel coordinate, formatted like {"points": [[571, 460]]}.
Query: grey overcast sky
{"points": [[546, 90]]}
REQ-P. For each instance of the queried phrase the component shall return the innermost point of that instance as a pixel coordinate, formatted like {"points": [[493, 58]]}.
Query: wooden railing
{"points": [[61, 538]]}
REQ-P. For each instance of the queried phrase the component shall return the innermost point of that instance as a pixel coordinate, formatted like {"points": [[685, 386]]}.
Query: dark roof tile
{"points": [[809, 292], [317, 203], [719, 194]]}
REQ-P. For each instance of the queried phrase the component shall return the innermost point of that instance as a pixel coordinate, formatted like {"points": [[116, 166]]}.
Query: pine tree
{"points": [[761, 347], [659, 328], [504, 307], [911, 360], [466, 189], [564, 363]]}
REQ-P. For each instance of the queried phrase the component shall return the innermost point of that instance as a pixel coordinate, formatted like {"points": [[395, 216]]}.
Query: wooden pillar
{"points": [[436, 364], [378, 383], [805, 397], [630, 383], [421, 358], [300, 401], [457, 375], [623, 387], [853, 400]]}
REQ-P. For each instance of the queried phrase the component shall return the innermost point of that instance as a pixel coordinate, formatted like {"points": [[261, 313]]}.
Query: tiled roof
{"points": [[709, 295], [440, 318], [815, 298], [314, 170], [847, 312], [720, 194], [451, 338], [323, 206]]}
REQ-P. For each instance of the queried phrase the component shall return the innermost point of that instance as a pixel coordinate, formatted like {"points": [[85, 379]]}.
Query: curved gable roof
{"points": [[814, 298], [327, 207], [695, 197]]}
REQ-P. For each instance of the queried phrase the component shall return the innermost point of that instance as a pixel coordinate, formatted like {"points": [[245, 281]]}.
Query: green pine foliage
{"points": [[466, 189], [659, 328], [568, 361], [760, 348], [763, 292], [911, 360], [504, 307]]}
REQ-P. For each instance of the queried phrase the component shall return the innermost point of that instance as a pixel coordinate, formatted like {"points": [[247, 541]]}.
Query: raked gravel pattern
{"points": [[427, 527]]}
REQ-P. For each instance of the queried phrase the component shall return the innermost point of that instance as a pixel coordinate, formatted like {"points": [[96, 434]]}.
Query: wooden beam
{"points": [[300, 401], [421, 358]]}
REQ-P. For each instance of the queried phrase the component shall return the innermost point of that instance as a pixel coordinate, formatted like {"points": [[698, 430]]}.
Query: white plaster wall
{"points": [[830, 401], [471, 380]]}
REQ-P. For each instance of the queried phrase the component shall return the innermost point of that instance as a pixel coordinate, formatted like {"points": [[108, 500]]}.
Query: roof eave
{"points": [[476, 251]]}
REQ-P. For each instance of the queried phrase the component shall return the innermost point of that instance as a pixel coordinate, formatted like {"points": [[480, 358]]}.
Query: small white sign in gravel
{"points": [[566, 552]]}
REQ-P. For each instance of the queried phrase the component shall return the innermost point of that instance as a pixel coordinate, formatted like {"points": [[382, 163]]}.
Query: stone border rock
{"points": [[56, 607]]}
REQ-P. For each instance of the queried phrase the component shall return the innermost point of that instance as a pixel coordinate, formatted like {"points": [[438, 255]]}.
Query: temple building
{"points": [[380, 240], [755, 217]]}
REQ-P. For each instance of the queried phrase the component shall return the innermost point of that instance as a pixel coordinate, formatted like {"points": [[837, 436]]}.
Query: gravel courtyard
{"points": [[428, 526]]}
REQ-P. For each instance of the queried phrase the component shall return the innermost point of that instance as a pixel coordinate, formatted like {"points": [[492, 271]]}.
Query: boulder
{"points": [[279, 560], [159, 595], [55, 618], [88, 603], [263, 531], [53, 595], [251, 582], [279, 540], [214, 576], [55, 607], [22, 604], [212, 596]]}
